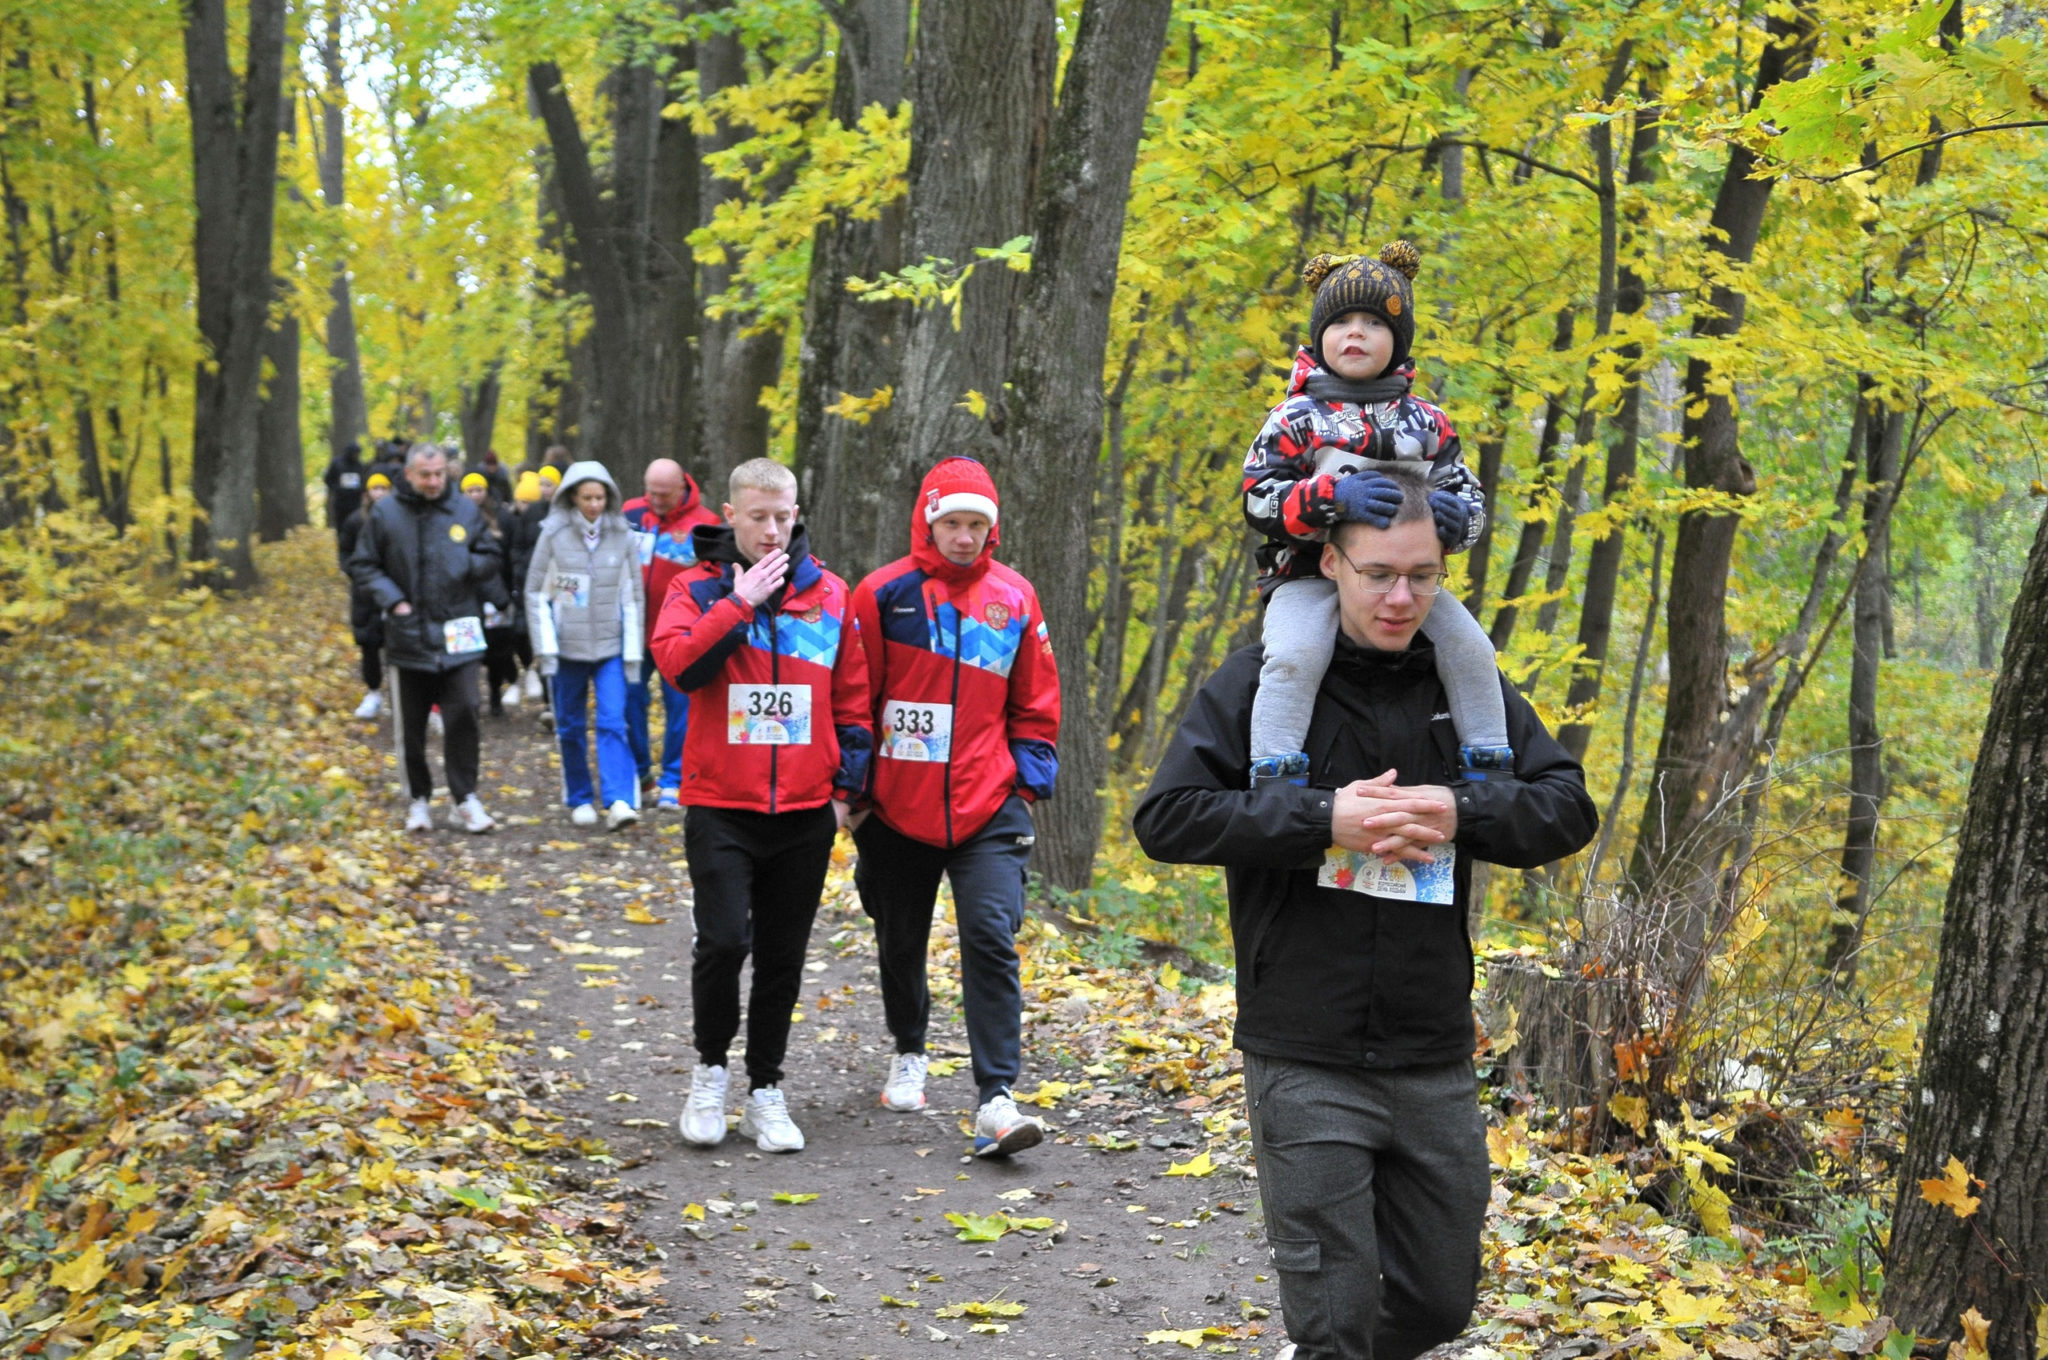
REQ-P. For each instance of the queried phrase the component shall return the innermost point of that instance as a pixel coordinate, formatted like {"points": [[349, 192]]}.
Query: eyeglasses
{"points": [[1378, 581]]}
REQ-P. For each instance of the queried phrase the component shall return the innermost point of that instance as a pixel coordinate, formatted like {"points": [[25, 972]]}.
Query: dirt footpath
{"points": [[845, 1249]]}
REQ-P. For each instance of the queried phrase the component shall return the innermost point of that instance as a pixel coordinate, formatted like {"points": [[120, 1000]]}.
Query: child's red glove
{"points": [[1311, 505]]}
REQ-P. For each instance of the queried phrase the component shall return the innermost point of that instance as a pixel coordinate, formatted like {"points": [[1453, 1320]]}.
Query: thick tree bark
{"points": [[1672, 859], [981, 104], [736, 366], [1056, 378], [853, 348], [234, 180], [348, 409], [626, 242], [281, 449], [1983, 1090], [1493, 443]]}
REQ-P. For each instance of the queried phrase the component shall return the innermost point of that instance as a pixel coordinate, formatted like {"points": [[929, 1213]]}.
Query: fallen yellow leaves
{"points": [[247, 1099]]}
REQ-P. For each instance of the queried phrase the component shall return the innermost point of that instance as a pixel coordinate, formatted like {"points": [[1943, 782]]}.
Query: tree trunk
{"points": [[281, 449], [736, 367], [1984, 1067], [1055, 398], [480, 413], [1492, 448], [348, 410], [852, 348], [1530, 546], [234, 181], [1671, 857], [982, 84], [626, 243]]}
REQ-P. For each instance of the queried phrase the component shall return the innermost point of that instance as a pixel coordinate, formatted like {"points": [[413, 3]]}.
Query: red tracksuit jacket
{"points": [[966, 698], [666, 549], [783, 690]]}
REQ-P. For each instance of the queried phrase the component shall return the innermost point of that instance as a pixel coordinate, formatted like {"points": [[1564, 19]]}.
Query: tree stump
{"points": [[1562, 1030]]}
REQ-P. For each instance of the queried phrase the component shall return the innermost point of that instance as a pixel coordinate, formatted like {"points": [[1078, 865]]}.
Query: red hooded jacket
{"points": [[783, 688], [966, 697], [666, 550]]}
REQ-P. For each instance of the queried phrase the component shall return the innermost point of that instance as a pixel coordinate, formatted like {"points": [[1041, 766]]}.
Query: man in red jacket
{"points": [[764, 639], [966, 712], [662, 521]]}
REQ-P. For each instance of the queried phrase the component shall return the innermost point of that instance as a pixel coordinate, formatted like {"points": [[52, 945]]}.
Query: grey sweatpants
{"points": [[1300, 635], [1375, 1186]]}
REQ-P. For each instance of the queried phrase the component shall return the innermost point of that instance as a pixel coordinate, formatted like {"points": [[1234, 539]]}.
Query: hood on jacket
{"points": [[563, 506], [715, 543], [955, 483]]}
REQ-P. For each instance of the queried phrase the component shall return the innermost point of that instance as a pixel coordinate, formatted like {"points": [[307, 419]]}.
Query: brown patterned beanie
{"points": [[1360, 283]]}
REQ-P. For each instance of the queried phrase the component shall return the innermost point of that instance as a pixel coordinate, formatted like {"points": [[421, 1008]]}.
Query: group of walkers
{"points": [[1345, 773]]}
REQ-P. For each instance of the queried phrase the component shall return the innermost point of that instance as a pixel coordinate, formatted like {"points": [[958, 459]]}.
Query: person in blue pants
{"points": [[585, 606], [663, 521]]}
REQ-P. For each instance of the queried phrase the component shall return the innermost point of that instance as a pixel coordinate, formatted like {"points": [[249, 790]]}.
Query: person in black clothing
{"points": [[365, 620], [427, 560], [344, 478], [501, 659], [1348, 905]]}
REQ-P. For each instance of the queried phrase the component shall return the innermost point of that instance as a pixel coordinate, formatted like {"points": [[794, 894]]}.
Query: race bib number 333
{"points": [[917, 731], [768, 715]]}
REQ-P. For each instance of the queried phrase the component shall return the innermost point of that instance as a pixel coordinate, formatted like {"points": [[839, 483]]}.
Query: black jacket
{"points": [[437, 555], [1332, 976], [344, 479], [365, 620]]}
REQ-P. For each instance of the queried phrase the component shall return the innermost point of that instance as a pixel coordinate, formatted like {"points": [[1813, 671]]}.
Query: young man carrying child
{"points": [[764, 640], [1349, 408]]}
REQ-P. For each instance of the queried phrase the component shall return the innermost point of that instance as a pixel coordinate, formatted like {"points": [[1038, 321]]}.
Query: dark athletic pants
{"points": [[500, 663], [455, 691], [898, 880], [756, 877], [1375, 1185], [373, 664]]}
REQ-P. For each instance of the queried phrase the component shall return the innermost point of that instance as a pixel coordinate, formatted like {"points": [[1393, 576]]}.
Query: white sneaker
{"points": [[669, 800], [420, 816], [1001, 1129], [703, 1121], [1286, 1352], [371, 706], [530, 685], [434, 727], [583, 814], [905, 1088], [510, 697], [765, 1119], [620, 814], [471, 817]]}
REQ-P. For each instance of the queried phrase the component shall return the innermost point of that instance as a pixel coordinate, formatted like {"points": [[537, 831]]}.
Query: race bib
{"points": [[917, 731], [569, 589], [465, 634], [351, 481], [768, 715], [1351, 871]]}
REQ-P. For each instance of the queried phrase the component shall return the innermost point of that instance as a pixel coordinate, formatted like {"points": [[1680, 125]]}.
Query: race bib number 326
{"points": [[768, 715], [917, 731]]}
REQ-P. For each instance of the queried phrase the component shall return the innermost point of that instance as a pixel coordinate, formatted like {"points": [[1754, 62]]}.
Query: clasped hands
{"points": [[1397, 822]]}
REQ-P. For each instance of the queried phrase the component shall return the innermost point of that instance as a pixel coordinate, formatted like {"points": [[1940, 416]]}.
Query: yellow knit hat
{"points": [[528, 489], [377, 479], [474, 481]]}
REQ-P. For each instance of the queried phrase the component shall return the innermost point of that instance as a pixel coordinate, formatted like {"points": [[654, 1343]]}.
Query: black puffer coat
{"points": [[365, 620], [437, 556]]}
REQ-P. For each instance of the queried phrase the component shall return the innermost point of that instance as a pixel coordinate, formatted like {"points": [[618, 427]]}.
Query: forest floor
{"points": [[274, 1075]]}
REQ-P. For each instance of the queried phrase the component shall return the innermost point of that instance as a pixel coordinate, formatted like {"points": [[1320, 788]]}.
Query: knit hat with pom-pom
{"points": [[1360, 283]]}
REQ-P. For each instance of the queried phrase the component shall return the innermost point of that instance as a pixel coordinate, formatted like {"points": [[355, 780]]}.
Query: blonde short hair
{"points": [[762, 474]]}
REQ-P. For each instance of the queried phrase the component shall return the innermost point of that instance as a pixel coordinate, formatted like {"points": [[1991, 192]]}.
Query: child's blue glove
{"points": [[1368, 498], [1453, 518]]}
